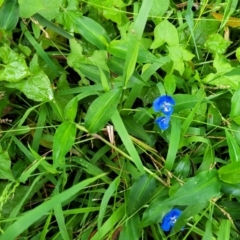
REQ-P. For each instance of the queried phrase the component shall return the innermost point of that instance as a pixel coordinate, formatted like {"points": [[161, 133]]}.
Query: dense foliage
{"points": [[119, 119]]}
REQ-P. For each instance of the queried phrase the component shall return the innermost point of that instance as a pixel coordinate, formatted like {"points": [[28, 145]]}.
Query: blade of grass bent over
{"points": [[35, 214]]}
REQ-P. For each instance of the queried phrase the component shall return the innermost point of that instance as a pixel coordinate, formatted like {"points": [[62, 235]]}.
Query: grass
{"points": [[81, 153]]}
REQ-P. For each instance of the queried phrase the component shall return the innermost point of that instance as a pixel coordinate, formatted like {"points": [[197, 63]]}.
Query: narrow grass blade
{"points": [[189, 19], [58, 213], [17, 209], [119, 126], [39, 128], [106, 197], [39, 50], [174, 143], [30, 217], [44, 22], [109, 224], [134, 40]]}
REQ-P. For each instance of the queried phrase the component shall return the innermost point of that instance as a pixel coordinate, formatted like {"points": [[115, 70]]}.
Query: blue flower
{"points": [[170, 219], [164, 104], [163, 122]]}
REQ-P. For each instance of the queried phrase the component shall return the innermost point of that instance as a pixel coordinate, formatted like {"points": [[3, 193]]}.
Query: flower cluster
{"points": [[170, 219], [165, 105]]}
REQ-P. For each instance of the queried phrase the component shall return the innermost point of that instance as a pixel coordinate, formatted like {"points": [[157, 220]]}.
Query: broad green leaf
{"points": [[5, 165], [14, 67], [189, 212], [199, 189], [217, 44], [208, 159], [33, 215], [230, 173], [9, 15], [185, 101], [71, 108], [235, 108], [170, 84], [136, 129], [238, 54], [178, 55], [233, 147], [62, 142], [159, 7], [130, 228], [140, 193], [48, 9], [221, 64], [101, 110], [37, 87], [90, 30], [214, 116], [111, 10], [165, 32], [70, 111], [202, 29]]}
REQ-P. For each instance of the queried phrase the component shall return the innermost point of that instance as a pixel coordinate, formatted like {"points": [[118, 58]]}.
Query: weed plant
{"points": [[119, 119]]}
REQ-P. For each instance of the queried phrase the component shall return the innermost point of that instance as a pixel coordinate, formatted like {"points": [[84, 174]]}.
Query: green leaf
{"points": [[238, 54], [170, 84], [178, 55], [173, 144], [165, 32], [48, 9], [90, 30], [233, 147], [37, 87], [105, 200], [199, 189], [136, 129], [217, 44], [225, 228], [119, 48], [9, 15], [14, 67], [62, 142], [202, 29], [230, 173], [122, 132], [130, 228], [140, 193], [5, 166], [30, 217], [101, 110], [185, 101], [235, 108], [159, 7]]}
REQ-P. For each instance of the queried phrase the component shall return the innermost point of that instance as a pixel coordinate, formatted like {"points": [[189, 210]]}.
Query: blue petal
{"points": [[170, 219], [164, 104], [163, 122]]}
